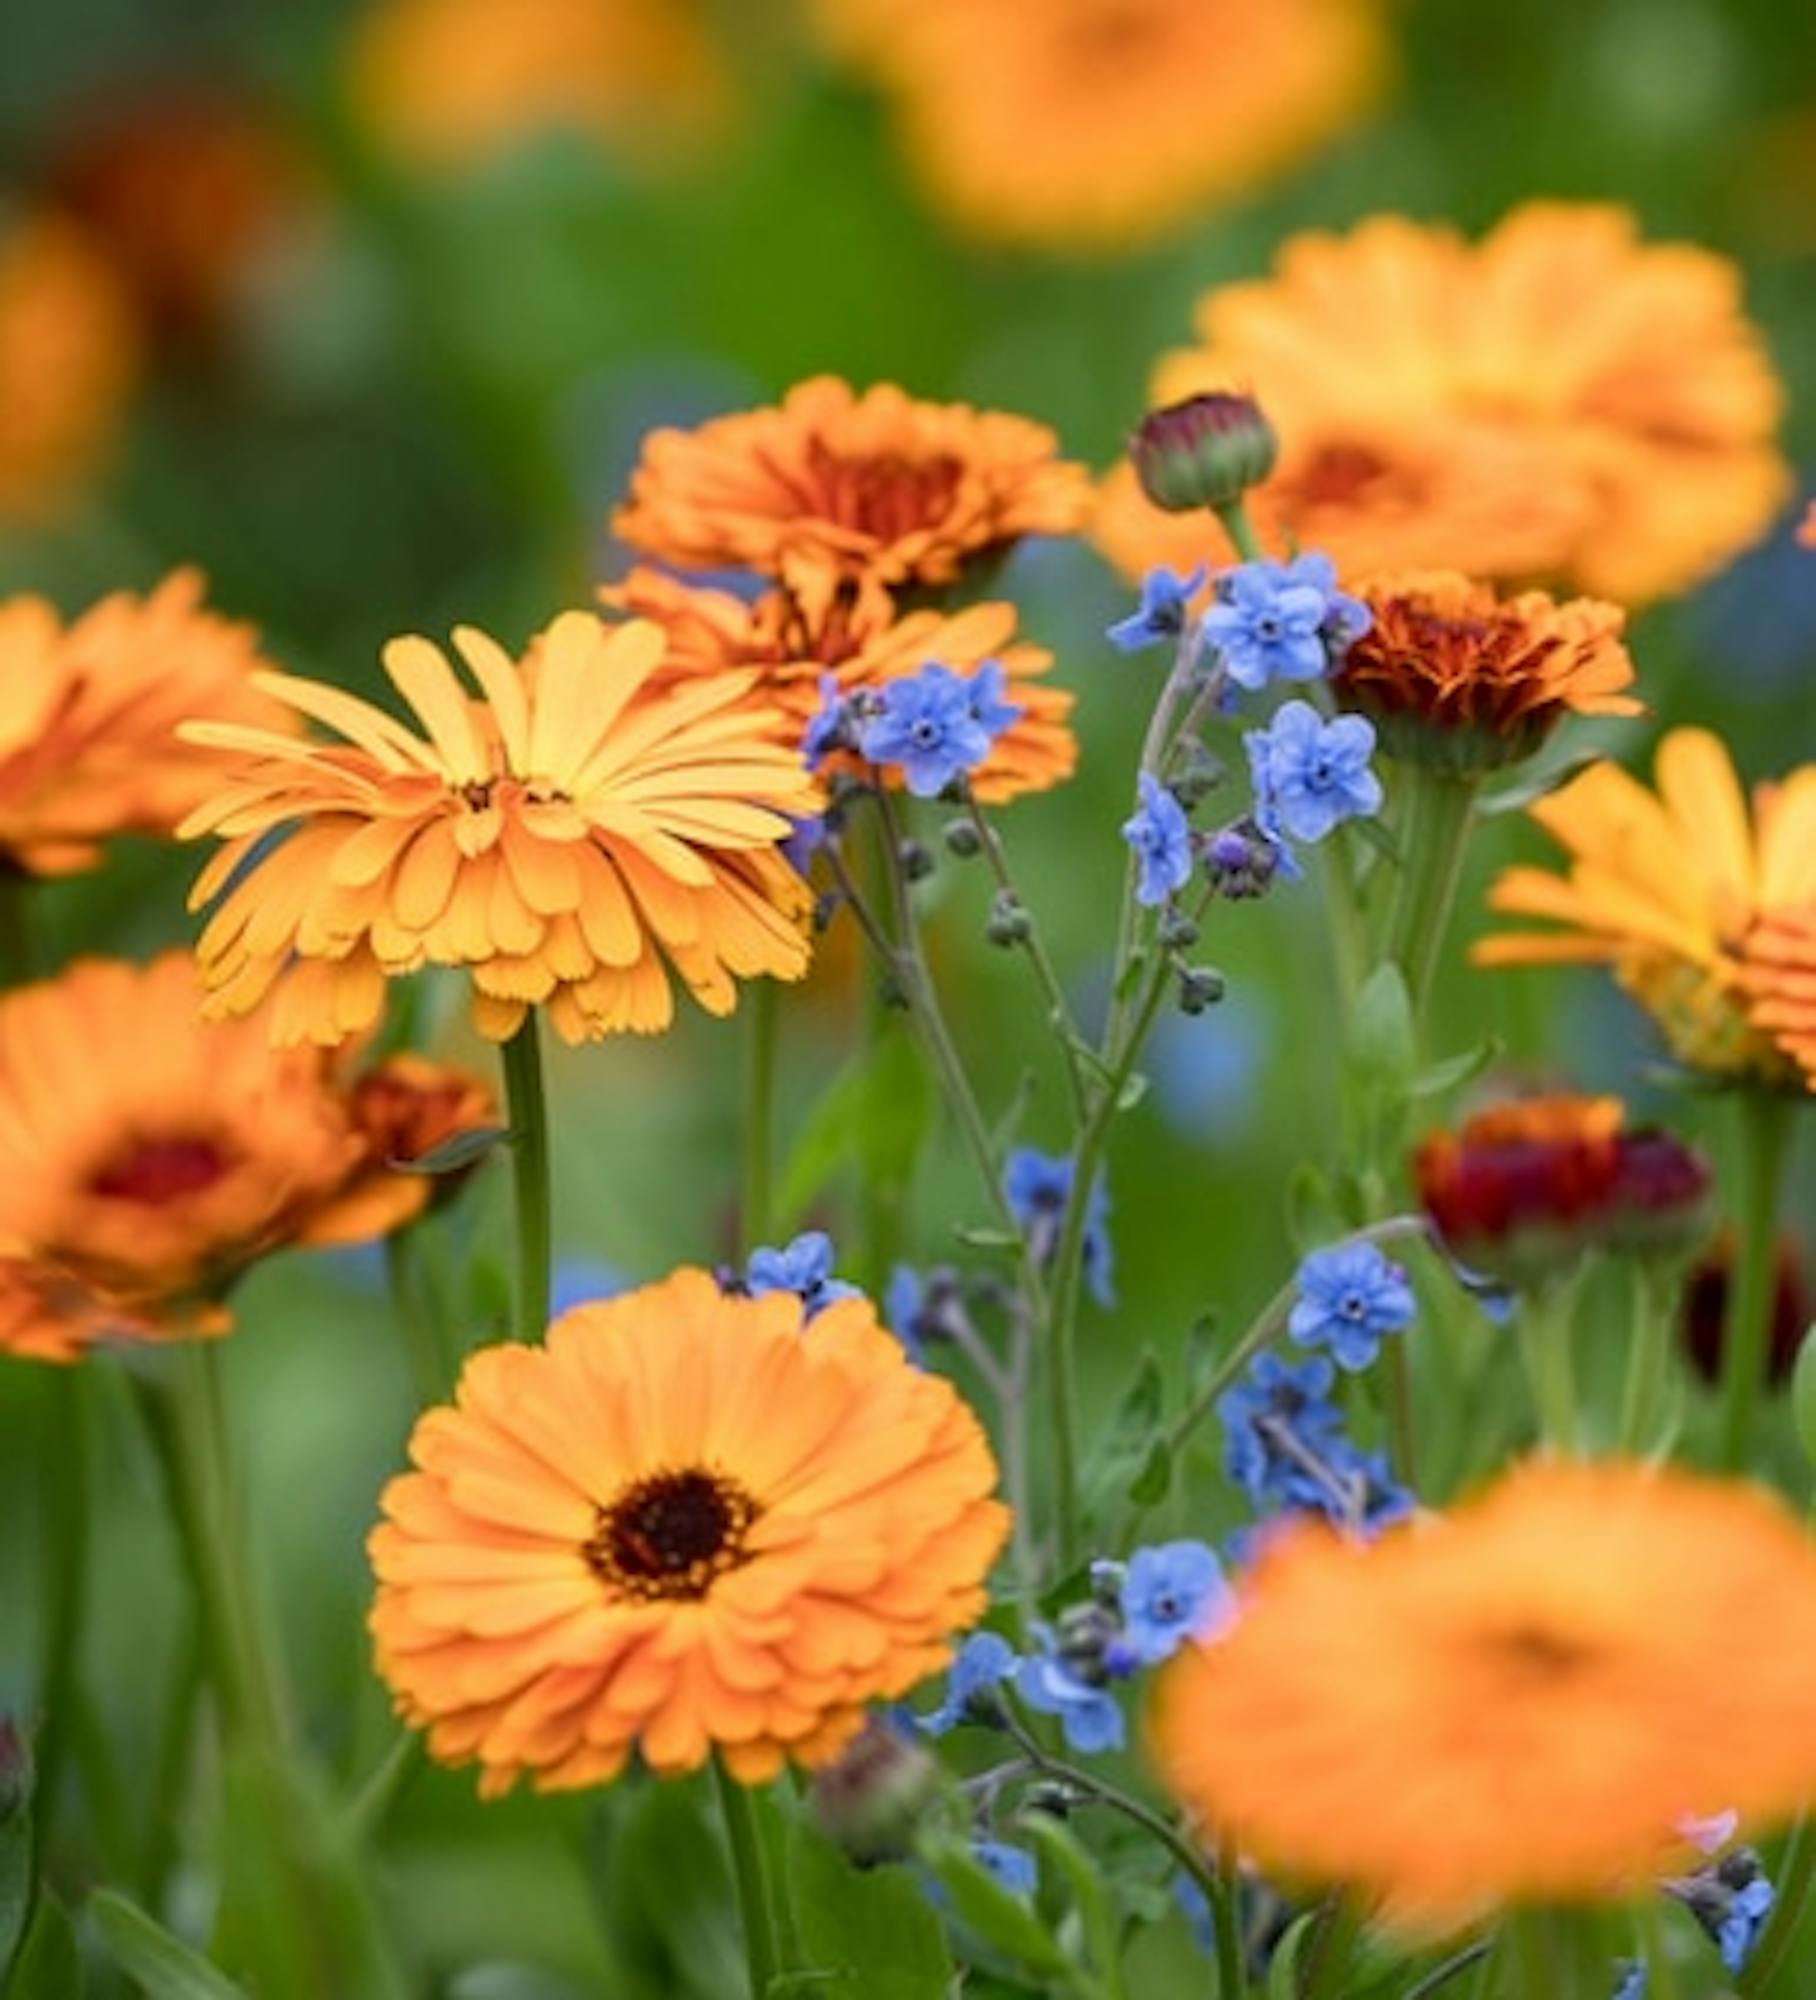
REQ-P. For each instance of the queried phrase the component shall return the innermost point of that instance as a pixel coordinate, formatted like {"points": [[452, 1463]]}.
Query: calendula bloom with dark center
{"points": [[855, 647], [89, 713], [1680, 892], [1454, 675], [148, 1157], [686, 1523], [1521, 1190], [1083, 125], [568, 835], [836, 490], [1517, 1702], [1559, 403]]}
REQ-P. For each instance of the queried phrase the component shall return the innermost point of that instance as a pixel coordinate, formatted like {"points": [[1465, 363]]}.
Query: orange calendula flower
{"points": [[832, 489], [1558, 404], [861, 645], [1516, 1702], [1779, 978], [686, 1523], [89, 714], [1678, 891], [68, 361], [441, 84], [148, 1157], [1451, 673], [1098, 125], [566, 836]]}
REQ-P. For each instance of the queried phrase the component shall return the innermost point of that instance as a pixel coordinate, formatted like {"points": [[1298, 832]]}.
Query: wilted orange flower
{"points": [[1670, 890], [861, 645], [1451, 673], [566, 836], [89, 714], [832, 489], [1516, 1702], [1559, 404], [444, 83], [68, 361], [148, 1157], [687, 1522], [1100, 124]]}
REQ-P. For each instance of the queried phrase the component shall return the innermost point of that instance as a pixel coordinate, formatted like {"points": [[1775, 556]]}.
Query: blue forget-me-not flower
{"points": [[1350, 1297]]}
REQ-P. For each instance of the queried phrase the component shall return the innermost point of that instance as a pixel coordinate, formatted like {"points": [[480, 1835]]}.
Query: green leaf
{"points": [[1382, 1048], [48, 1965], [1803, 1395], [162, 1965], [877, 1111], [461, 1149], [1312, 1213], [16, 1844], [1141, 1405], [870, 1933], [1096, 1911], [984, 1906], [1283, 1964], [1201, 1353], [1134, 1089], [1534, 784], [668, 1890], [1439, 1078], [1149, 1486]]}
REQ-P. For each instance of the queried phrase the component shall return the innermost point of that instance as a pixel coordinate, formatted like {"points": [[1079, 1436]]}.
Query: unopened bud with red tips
{"points": [[1205, 452], [871, 1800]]}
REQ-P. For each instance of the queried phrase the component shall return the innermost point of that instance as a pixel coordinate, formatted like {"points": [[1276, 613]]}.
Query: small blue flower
{"points": [[1346, 618], [806, 840], [1195, 1907], [988, 684], [984, 1661], [830, 728], [1170, 1594], [1630, 1974], [931, 723], [1274, 1418], [1268, 625], [1160, 616], [803, 1267], [1747, 1916], [1162, 838], [904, 1303], [1360, 1493], [1038, 1186], [1089, 1719], [1014, 1867], [1310, 775], [1350, 1297]]}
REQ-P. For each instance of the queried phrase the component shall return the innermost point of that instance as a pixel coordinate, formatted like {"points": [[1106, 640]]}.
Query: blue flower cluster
{"points": [[1037, 1187], [1139, 1615], [934, 725], [1732, 1900], [802, 1266]]}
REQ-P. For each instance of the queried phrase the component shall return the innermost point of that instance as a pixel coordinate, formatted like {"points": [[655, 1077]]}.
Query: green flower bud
{"points": [[1205, 452]]}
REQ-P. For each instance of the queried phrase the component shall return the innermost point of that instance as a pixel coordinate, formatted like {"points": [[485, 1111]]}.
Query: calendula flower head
{"points": [[1457, 677], [1516, 1702], [1310, 775], [687, 1523], [150, 1157], [1559, 403], [874, 493], [1272, 621], [810, 665], [89, 713], [1778, 976], [1082, 125], [1161, 837], [1678, 891], [69, 357], [1351, 1297], [1205, 452], [1523, 1189], [566, 835]]}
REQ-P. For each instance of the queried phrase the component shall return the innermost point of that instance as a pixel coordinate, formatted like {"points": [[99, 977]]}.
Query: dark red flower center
{"points": [[162, 1169], [884, 494], [669, 1535]]}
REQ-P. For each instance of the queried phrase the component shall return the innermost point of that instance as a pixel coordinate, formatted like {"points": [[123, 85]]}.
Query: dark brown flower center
{"points": [[885, 494], [1532, 1653], [1340, 475], [160, 1170], [669, 1535]]}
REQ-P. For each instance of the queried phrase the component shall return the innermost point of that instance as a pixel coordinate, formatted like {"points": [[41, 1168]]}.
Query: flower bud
{"points": [[1205, 452], [1177, 930], [870, 1801], [1008, 922], [962, 838], [916, 859], [1200, 986]]}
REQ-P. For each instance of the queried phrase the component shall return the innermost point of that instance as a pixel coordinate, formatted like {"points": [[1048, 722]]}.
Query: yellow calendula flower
{"points": [[567, 834], [1560, 403], [687, 1523], [1517, 1702], [1671, 889]]}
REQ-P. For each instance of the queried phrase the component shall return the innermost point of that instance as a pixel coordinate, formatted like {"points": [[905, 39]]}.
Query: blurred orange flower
{"points": [[148, 1157], [1517, 1702], [1559, 404], [89, 714], [835, 490], [1779, 977], [1451, 673], [1806, 532], [683, 1524], [1681, 892], [1097, 125], [861, 646], [444, 83], [565, 836], [68, 362]]}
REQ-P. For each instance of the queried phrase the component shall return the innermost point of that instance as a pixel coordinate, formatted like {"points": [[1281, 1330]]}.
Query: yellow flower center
{"points": [[669, 1535]]}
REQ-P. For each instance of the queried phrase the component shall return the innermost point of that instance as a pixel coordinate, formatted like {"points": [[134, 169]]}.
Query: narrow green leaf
{"points": [[463, 1149], [1089, 1891], [16, 1843], [1803, 1395], [1134, 1089], [48, 1965], [984, 1906], [870, 1933], [162, 1965], [1283, 1964], [1382, 1047], [1149, 1486], [1439, 1078]]}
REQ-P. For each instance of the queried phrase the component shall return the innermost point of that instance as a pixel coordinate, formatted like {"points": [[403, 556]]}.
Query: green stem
{"points": [[1235, 521], [421, 1336], [1661, 1974], [1657, 1288], [1796, 1872], [65, 1470], [1546, 1317], [529, 1114], [1531, 1958], [754, 1906], [1763, 1144], [1433, 838], [762, 1025], [18, 954], [1333, 1951], [1224, 1895], [1453, 1967]]}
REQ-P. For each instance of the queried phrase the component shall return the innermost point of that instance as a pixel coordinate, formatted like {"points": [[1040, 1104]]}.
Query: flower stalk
{"points": [[527, 1102], [755, 1909], [1762, 1151], [762, 1032], [1433, 837], [1547, 1316]]}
